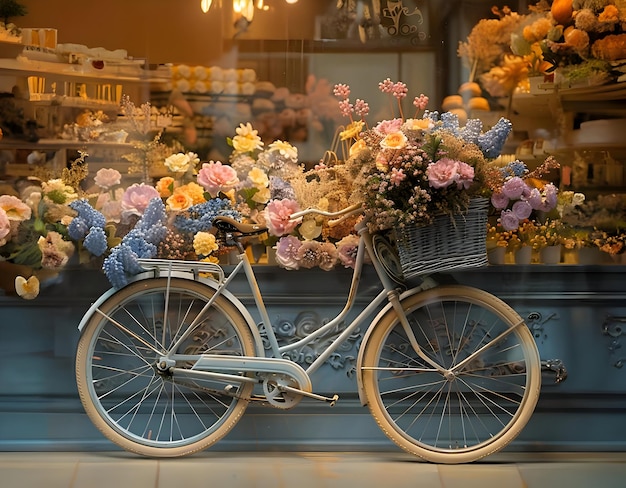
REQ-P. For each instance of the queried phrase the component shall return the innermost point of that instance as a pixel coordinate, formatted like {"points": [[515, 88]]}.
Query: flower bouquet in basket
{"points": [[429, 180]]}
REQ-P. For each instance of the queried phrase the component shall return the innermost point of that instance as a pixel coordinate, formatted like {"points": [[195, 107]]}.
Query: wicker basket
{"points": [[449, 243]]}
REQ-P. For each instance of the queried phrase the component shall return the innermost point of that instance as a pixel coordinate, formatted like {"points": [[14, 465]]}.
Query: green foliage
{"points": [[11, 8]]}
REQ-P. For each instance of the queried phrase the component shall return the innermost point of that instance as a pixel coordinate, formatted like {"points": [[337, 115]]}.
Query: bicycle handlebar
{"points": [[341, 215]]}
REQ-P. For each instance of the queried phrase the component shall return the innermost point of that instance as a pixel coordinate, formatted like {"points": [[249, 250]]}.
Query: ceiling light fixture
{"points": [[205, 5]]}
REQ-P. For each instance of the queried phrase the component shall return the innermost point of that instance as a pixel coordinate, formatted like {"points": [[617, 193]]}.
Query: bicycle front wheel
{"points": [[483, 390], [136, 404]]}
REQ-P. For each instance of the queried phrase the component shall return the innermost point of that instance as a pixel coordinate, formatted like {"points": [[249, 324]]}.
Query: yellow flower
{"points": [[258, 178], [27, 288], [381, 163], [209, 259], [352, 130], [395, 140], [204, 243], [262, 196], [194, 191], [230, 194], [179, 201], [247, 139], [180, 163], [359, 145], [165, 186], [502, 80], [419, 124]]}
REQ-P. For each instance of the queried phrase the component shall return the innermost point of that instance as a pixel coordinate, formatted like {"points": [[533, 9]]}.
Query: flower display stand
{"points": [[574, 312]]}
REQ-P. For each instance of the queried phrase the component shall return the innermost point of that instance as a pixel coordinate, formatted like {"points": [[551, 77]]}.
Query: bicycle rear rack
{"points": [[165, 267]]}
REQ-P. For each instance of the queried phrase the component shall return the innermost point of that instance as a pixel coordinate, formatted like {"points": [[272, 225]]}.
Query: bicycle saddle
{"points": [[230, 225]]}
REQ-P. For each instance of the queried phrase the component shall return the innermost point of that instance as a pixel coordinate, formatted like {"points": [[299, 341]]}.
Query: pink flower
{"points": [[308, 254], [14, 208], [442, 173], [328, 256], [5, 227], [465, 175], [421, 102], [389, 126], [499, 200], [509, 220], [107, 177], [216, 177], [514, 187], [136, 198], [397, 176], [347, 249], [287, 251], [278, 216]]}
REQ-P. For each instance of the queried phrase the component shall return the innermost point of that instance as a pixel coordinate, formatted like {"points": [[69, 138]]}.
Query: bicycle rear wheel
{"points": [[137, 405], [453, 415]]}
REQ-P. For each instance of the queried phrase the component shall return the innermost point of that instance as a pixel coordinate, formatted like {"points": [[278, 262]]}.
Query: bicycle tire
{"points": [[460, 417], [133, 404]]}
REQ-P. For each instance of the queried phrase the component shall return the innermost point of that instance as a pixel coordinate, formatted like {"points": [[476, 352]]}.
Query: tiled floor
{"points": [[304, 470]]}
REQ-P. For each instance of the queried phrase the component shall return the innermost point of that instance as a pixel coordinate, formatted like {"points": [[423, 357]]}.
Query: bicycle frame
{"points": [[277, 351], [206, 365]]}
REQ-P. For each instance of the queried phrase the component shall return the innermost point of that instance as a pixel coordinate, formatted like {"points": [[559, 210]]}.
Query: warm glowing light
{"points": [[205, 5], [291, 1], [245, 8]]}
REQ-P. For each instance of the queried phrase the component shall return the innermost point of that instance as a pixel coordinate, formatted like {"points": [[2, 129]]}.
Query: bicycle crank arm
{"points": [[330, 400]]}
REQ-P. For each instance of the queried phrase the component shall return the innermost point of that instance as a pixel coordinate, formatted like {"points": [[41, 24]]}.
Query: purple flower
{"points": [[514, 187], [509, 220], [136, 198], [534, 199], [522, 209], [287, 252], [499, 201], [550, 196]]}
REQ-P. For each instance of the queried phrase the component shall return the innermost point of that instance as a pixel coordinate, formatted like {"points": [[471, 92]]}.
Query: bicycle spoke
{"points": [[146, 408], [487, 384]]}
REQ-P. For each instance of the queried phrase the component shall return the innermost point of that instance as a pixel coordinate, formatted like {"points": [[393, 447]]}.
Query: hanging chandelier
{"points": [[242, 8]]}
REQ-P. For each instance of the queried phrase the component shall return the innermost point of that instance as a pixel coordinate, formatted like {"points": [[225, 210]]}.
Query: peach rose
{"points": [[179, 201], [395, 140]]}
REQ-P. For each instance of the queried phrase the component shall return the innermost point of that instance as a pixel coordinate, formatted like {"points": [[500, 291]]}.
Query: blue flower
{"points": [[492, 141], [96, 241], [86, 212], [200, 217], [77, 229], [514, 168], [280, 189], [140, 242], [450, 122], [471, 131]]}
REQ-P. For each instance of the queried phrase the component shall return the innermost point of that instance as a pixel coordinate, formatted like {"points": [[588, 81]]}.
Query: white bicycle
{"points": [[167, 365]]}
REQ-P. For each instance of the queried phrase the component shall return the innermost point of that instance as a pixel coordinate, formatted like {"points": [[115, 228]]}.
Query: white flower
{"points": [[285, 149]]}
